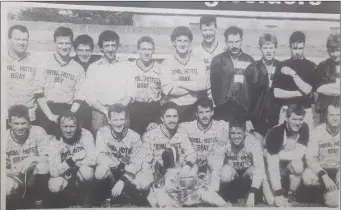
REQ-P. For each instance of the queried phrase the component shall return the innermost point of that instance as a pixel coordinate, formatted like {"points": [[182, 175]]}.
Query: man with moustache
{"points": [[323, 157], [259, 76], [285, 146], [119, 160], [72, 157], [108, 80], [203, 134], [84, 47], [183, 77], [26, 158], [328, 77], [61, 80], [22, 70], [293, 80], [241, 159], [229, 87], [147, 87], [210, 46]]}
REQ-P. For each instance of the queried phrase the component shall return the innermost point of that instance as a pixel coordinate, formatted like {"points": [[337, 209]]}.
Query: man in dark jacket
{"points": [[229, 87], [328, 77], [259, 77]]}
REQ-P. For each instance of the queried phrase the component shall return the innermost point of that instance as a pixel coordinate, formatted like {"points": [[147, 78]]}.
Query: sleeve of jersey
{"points": [[274, 172], [258, 163], [147, 150], [312, 157], [88, 87], [90, 148], [129, 87], [136, 156], [167, 83], [103, 151], [40, 81], [216, 158], [79, 95], [43, 143], [57, 167], [189, 153]]}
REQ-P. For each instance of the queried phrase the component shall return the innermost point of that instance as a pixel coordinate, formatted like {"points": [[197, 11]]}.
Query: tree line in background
{"points": [[73, 16]]}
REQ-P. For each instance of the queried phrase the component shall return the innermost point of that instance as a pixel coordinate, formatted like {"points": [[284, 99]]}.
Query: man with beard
{"points": [[243, 171], [108, 80], [119, 160], [84, 47], [328, 77], [61, 80], [293, 80], [72, 156], [203, 134], [259, 76], [22, 70], [183, 77], [210, 46], [323, 157], [285, 146], [26, 160], [228, 84], [147, 87]]}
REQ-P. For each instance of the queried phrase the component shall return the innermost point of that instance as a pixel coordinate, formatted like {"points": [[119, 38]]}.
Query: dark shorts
{"points": [[228, 111], [142, 114], [186, 113]]}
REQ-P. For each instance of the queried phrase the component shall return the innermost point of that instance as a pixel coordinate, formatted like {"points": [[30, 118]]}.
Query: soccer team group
{"points": [[208, 125]]}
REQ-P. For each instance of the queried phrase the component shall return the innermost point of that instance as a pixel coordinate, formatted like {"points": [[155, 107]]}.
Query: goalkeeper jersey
{"points": [[60, 151], [113, 151], [35, 145], [20, 83], [323, 150], [205, 143], [155, 142]]}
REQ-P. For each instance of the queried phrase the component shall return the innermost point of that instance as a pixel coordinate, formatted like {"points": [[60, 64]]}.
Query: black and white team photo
{"points": [[107, 106]]}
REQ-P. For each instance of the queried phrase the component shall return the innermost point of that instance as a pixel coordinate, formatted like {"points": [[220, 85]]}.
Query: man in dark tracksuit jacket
{"points": [[229, 87], [327, 79]]}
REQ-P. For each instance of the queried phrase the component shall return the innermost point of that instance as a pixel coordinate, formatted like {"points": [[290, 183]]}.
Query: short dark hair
{"points": [[145, 39], [297, 37], [181, 31], [16, 27], [118, 108], [233, 30], [19, 111], [69, 115], [333, 41], [62, 31], [237, 122], [204, 102], [168, 105], [267, 38], [207, 20], [85, 40], [295, 108], [106, 36]]}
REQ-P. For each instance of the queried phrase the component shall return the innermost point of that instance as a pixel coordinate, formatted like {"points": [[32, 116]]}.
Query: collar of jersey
{"points": [[210, 52], [209, 127], [153, 63], [112, 134], [14, 139], [18, 60], [180, 62], [61, 64]]}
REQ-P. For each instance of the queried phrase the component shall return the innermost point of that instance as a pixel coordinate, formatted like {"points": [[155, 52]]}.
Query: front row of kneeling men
{"points": [[235, 162]]}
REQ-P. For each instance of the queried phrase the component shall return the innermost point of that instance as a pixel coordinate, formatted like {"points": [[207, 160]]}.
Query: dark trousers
{"points": [[186, 113], [83, 114], [142, 114], [228, 111]]}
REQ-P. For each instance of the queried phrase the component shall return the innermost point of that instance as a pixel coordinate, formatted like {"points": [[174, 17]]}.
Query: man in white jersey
{"points": [[61, 79], [119, 160], [323, 157], [183, 76], [203, 134], [72, 157], [243, 171], [22, 68], [108, 80], [26, 160], [147, 87], [285, 146], [210, 46]]}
